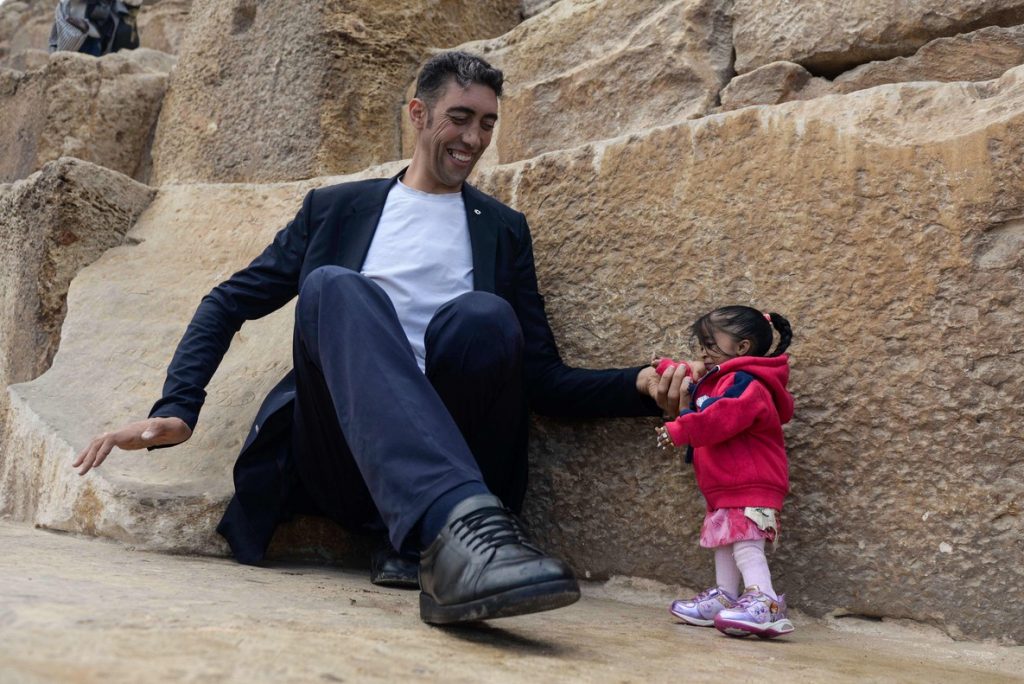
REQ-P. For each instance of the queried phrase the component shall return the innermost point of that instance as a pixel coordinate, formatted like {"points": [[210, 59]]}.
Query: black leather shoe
{"points": [[481, 566], [389, 568]]}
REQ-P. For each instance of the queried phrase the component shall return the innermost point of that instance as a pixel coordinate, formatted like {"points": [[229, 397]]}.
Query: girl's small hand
{"points": [[697, 369], [664, 441]]}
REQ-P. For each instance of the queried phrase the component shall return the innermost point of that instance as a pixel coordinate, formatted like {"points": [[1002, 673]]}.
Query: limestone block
{"points": [[532, 7], [587, 70], [289, 90], [162, 24], [98, 110], [771, 84], [126, 314], [24, 25], [52, 225], [830, 37], [887, 226], [28, 60], [977, 56]]}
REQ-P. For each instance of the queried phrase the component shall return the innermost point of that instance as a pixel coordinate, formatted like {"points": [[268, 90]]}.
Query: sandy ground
{"points": [[86, 610]]}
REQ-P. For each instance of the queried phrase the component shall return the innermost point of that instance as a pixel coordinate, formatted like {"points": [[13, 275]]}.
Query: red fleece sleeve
{"points": [[723, 419]]}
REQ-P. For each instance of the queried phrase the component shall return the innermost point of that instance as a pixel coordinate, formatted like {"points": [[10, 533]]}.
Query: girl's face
{"points": [[725, 347]]}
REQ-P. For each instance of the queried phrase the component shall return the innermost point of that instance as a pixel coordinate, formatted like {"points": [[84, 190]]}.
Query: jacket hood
{"points": [[773, 372]]}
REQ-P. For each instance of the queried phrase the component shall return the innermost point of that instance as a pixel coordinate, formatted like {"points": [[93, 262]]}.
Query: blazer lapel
{"points": [[483, 237], [360, 225]]}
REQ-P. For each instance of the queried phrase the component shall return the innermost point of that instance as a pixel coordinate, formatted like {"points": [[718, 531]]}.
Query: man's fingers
{"points": [[80, 457], [664, 383], [90, 454], [103, 452]]}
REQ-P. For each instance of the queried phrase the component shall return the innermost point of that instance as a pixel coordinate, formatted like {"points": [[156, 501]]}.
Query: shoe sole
{"points": [[395, 582], [696, 622], [740, 628], [532, 598]]}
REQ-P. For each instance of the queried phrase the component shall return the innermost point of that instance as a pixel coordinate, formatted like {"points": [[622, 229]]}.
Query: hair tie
{"points": [[768, 317]]}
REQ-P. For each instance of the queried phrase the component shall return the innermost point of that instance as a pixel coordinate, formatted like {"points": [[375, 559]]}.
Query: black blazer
{"points": [[335, 227]]}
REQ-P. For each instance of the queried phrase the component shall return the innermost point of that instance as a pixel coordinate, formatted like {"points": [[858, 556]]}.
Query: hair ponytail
{"points": [[782, 326]]}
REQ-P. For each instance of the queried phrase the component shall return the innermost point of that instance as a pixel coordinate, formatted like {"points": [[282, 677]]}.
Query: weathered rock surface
{"points": [[257, 97], [590, 70], [532, 7], [830, 37], [977, 56], [144, 292], [771, 84], [162, 24], [51, 225], [28, 60], [98, 110], [87, 611], [24, 25], [886, 225]]}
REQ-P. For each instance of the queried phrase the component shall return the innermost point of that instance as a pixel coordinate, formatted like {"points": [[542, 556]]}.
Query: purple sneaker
{"points": [[755, 613], [702, 608]]}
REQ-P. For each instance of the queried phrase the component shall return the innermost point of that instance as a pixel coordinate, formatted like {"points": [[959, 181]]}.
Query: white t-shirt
{"points": [[421, 257]]}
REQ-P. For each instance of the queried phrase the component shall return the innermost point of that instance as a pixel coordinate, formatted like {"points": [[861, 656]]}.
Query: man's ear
{"points": [[418, 113]]}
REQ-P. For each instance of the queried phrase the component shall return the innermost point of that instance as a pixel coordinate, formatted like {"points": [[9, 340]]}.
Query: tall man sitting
{"points": [[420, 339]]}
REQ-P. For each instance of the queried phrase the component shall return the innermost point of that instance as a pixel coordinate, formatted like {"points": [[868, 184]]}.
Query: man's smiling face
{"points": [[451, 136]]}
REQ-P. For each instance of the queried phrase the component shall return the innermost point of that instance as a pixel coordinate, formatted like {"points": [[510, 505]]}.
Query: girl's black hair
{"points": [[744, 323]]}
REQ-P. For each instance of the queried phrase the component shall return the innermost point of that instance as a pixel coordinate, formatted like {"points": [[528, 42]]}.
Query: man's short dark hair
{"points": [[465, 68]]}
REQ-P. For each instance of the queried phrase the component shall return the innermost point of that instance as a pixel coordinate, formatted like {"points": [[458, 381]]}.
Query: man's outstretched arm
{"points": [[270, 281]]}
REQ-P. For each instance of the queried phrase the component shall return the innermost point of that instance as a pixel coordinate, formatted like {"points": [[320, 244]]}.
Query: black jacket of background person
{"points": [[335, 227]]}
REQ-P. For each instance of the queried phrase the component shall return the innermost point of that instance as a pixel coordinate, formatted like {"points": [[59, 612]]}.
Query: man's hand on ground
{"points": [[140, 435]]}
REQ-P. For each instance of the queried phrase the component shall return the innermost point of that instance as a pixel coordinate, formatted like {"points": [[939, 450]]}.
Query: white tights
{"points": [[743, 560]]}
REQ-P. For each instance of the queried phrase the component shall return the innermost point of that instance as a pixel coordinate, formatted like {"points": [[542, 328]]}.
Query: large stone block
{"points": [[98, 110], [887, 225], [290, 90], [977, 56], [24, 25], [162, 24], [830, 37], [52, 224], [126, 313], [588, 70]]}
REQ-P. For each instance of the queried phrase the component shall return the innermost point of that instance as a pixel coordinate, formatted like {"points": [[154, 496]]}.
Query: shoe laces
{"points": [[491, 527]]}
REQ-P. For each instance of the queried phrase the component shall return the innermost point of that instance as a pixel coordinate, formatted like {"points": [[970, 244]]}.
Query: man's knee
{"points": [[476, 328], [329, 278]]}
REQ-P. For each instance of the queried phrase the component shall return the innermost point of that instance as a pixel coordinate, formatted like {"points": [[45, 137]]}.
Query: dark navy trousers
{"points": [[377, 441]]}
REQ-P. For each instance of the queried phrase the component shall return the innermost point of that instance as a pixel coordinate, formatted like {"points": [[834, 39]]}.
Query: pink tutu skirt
{"points": [[724, 526]]}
